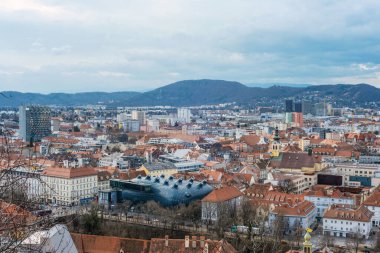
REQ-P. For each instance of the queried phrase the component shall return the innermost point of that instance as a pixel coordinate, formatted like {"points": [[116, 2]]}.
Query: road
{"points": [[144, 220]]}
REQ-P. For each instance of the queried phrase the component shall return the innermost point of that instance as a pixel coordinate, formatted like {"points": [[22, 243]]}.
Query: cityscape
{"points": [[190, 134]]}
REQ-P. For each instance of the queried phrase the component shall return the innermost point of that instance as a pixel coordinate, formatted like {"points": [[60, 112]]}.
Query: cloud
{"points": [[54, 12], [366, 67], [148, 43], [10, 73], [174, 74], [113, 74], [61, 50]]}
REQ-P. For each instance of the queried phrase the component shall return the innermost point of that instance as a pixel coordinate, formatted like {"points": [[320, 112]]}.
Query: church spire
{"points": [[276, 135]]}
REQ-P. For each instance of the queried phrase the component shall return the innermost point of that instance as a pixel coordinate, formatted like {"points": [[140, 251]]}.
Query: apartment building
{"points": [[325, 196], [296, 216], [70, 186], [347, 221], [373, 204]]}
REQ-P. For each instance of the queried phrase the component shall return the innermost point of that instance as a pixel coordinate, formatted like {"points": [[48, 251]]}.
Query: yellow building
{"points": [[158, 169]]}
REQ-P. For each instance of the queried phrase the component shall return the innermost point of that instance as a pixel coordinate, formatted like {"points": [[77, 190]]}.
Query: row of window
{"points": [[341, 229], [341, 222]]}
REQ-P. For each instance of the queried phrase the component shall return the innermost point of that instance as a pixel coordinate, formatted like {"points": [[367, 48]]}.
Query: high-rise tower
{"points": [[34, 122]]}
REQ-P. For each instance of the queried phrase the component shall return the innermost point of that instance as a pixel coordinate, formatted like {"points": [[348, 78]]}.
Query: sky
{"points": [[137, 45]]}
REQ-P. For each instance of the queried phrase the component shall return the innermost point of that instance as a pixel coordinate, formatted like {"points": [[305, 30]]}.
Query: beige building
{"points": [[140, 116], [70, 186], [158, 169]]}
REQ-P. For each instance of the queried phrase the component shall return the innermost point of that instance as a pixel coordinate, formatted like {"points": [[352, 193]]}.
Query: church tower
{"points": [[276, 144], [307, 245]]}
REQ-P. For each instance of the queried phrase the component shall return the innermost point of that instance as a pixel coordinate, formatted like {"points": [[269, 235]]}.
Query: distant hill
{"points": [[198, 92], [358, 93], [13, 98], [267, 85]]}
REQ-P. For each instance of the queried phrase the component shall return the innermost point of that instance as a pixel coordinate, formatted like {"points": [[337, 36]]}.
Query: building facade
{"points": [[34, 122], [70, 186], [347, 221]]}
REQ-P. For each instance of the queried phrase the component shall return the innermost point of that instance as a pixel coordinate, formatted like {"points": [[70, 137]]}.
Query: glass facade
{"points": [[34, 122]]}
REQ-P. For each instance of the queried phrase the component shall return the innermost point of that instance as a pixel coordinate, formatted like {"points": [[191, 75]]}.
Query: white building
{"points": [[112, 160], [355, 174], [122, 117], [140, 116], [55, 124], [25, 180], [226, 199], [373, 204], [70, 186], [324, 198], [131, 125], [184, 115], [153, 125], [345, 221], [295, 217]]}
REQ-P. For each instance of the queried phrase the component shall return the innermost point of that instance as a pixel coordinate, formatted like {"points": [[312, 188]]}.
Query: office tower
{"points": [[329, 109], [298, 107], [297, 118], [131, 125], [307, 107], [184, 115], [320, 109], [140, 116], [34, 122], [288, 105]]}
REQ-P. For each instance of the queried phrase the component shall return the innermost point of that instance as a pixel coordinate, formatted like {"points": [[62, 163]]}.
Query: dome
{"points": [[307, 236]]}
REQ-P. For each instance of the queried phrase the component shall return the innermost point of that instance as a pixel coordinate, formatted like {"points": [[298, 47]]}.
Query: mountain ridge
{"points": [[197, 92]]}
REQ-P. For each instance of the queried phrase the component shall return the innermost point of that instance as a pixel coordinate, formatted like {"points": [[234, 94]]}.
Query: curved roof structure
{"points": [[166, 190]]}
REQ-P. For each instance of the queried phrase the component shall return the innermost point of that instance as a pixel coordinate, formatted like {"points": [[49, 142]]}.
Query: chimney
{"points": [[202, 239], [166, 241], [194, 241], [187, 241]]}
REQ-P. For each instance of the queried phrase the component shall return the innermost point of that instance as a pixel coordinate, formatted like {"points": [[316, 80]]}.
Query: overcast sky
{"points": [[117, 45]]}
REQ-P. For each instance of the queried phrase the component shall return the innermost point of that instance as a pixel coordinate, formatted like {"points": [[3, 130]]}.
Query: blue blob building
{"points": [[166, 190]]}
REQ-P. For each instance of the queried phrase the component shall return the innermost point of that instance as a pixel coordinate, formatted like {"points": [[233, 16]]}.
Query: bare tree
{"points": [[286, 186], [20, 196], [355, 240]]}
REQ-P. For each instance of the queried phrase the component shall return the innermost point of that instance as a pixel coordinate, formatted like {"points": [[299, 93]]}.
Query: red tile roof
{"points": [[223, 194], [373, 200], [69, 172], [303, 209], [108, 244], [346, 212]]}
